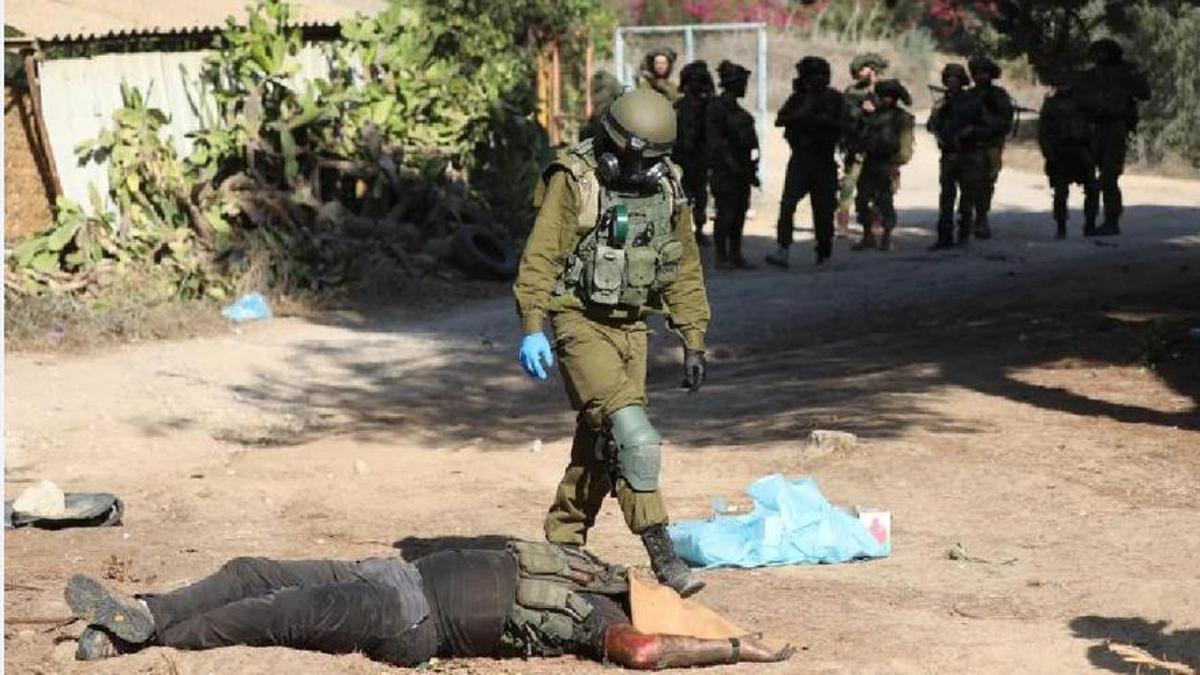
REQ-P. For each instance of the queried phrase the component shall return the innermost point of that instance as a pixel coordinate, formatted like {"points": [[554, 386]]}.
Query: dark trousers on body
{"points": [[816, 178], [962, 177], [376, 607], [695, 185], [1110, 147], [732, 194]]}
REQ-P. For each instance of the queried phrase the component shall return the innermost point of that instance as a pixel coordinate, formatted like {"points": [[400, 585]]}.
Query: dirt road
{"points": [[1034, 401]]}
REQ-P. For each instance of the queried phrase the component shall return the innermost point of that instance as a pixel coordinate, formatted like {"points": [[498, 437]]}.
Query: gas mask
{"points": [[630, 168]]}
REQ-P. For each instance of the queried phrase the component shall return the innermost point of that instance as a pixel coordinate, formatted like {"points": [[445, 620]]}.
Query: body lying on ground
{"points": [[532, 599]]}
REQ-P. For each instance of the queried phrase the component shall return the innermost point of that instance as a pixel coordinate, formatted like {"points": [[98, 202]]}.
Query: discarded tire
{"points": [[483, 254]]}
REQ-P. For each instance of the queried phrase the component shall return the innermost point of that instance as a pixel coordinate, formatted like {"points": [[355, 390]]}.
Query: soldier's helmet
{"points": [[1106, 50], [732, 73], [813, 66], [983, 64], [641, 120], [870, 59], [893, 89], [954, 70], [695, 72]]}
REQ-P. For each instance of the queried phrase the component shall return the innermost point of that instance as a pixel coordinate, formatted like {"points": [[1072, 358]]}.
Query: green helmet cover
{"points": [[643, 120]]}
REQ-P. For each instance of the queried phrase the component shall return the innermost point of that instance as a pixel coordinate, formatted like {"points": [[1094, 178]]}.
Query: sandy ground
{"points": [[1034, 401]]}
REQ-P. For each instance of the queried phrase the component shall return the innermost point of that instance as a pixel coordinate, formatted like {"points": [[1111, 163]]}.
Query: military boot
{"points": [[94, 645], [1061, 231], [668, 566], [867, 243], [885, 242], [1110, 228], [125, 618], [779, 258], [982, 230], [736, 259]]}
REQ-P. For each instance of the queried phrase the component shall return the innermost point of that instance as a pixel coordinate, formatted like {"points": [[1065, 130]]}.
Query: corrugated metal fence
{"points": [[80, 94]]}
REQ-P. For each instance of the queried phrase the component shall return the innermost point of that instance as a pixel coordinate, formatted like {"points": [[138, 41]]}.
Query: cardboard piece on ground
{"points": [[658, 609]]}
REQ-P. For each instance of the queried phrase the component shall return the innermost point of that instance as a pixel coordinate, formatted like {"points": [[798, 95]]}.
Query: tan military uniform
{"points": [[601, 350], [663, 86]]}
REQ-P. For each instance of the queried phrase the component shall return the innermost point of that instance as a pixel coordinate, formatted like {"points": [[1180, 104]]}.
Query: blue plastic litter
{"points": [[251, 307], [792, 523]]}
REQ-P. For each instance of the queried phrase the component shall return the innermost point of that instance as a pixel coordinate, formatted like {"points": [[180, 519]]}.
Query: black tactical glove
{"points": [[695, 367]]}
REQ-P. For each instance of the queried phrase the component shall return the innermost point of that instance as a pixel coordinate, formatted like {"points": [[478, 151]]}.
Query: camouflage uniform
{"points": [[887, 144], [955, 122], [690, 151], [998, 115], [815, 118], [856, 94], [732, 145], [1109, 93], [1065, 138]]}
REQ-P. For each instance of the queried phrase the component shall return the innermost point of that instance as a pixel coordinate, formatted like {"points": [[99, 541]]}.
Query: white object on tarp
{"points": [[878, 523], [44, 500]]}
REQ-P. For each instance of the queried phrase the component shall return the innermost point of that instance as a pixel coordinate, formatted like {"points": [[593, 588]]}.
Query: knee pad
{"points": [[639, 448]]}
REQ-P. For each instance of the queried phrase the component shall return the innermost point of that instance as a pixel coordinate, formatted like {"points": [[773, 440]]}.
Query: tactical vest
{"points": [[628, 253], [549, 613]]}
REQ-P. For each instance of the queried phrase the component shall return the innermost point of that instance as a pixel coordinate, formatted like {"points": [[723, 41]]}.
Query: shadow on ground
{"points": [[862, 373], [1151, 636]]}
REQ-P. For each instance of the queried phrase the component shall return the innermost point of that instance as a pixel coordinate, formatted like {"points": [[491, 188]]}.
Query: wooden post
{"points": [[39, 120], [543, 91], [589, 71], [555, 95]]}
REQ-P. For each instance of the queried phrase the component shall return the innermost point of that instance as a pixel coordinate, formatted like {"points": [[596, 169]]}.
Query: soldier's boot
{"points": [[779, 258], [982, 229], [735, 256], [1090, 229], [867, 243], [945, 238], [1061, 231], [94, 645], [126, 618], [885, 242], [1111, 226], [666, 563]]}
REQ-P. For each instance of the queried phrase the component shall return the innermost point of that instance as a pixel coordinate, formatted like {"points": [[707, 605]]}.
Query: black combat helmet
{"points": [[1106, 51], [893, 89], [732, 73], [954, 70], [983, 64]]}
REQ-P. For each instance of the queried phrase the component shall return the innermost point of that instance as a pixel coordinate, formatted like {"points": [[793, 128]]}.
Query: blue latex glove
{"points": [[535, 355]]}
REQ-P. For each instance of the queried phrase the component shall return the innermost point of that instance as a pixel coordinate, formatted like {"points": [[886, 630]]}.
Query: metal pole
{"points": [[689, 45], [619, 54], [763, 79]]}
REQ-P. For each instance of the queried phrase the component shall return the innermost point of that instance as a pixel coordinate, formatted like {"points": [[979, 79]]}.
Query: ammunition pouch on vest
{"points": [[550, 612], [628, 253]]}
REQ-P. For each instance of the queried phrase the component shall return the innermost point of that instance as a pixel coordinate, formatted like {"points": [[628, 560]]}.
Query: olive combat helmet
{"points": [[641, 121]]}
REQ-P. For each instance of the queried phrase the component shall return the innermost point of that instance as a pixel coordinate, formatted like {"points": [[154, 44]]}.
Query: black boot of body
{"points": [[668, 567], [1061, 231]]}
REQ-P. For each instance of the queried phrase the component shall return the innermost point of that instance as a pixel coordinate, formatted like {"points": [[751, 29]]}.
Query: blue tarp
{"points": [[792, 523], [252, 307]]}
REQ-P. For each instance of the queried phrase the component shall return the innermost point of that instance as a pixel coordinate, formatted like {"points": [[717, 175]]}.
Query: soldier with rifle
{"points": [[957, 122]]}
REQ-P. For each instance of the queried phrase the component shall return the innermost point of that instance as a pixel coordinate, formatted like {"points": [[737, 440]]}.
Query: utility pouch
{"points": [[603, 280], [640, 271]]}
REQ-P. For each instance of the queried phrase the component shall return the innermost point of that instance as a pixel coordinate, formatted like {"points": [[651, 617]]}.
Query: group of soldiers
{"points": [[718, 150], [1083, 134]]}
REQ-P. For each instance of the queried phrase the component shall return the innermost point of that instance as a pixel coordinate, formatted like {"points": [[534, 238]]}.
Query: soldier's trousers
{"points": [[604, 367], [875, 191], [1110, 147], [849, 182], [695, 185], [994, 159], [732, 194], [1091, 200], [962, 177], [815, 178]]}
